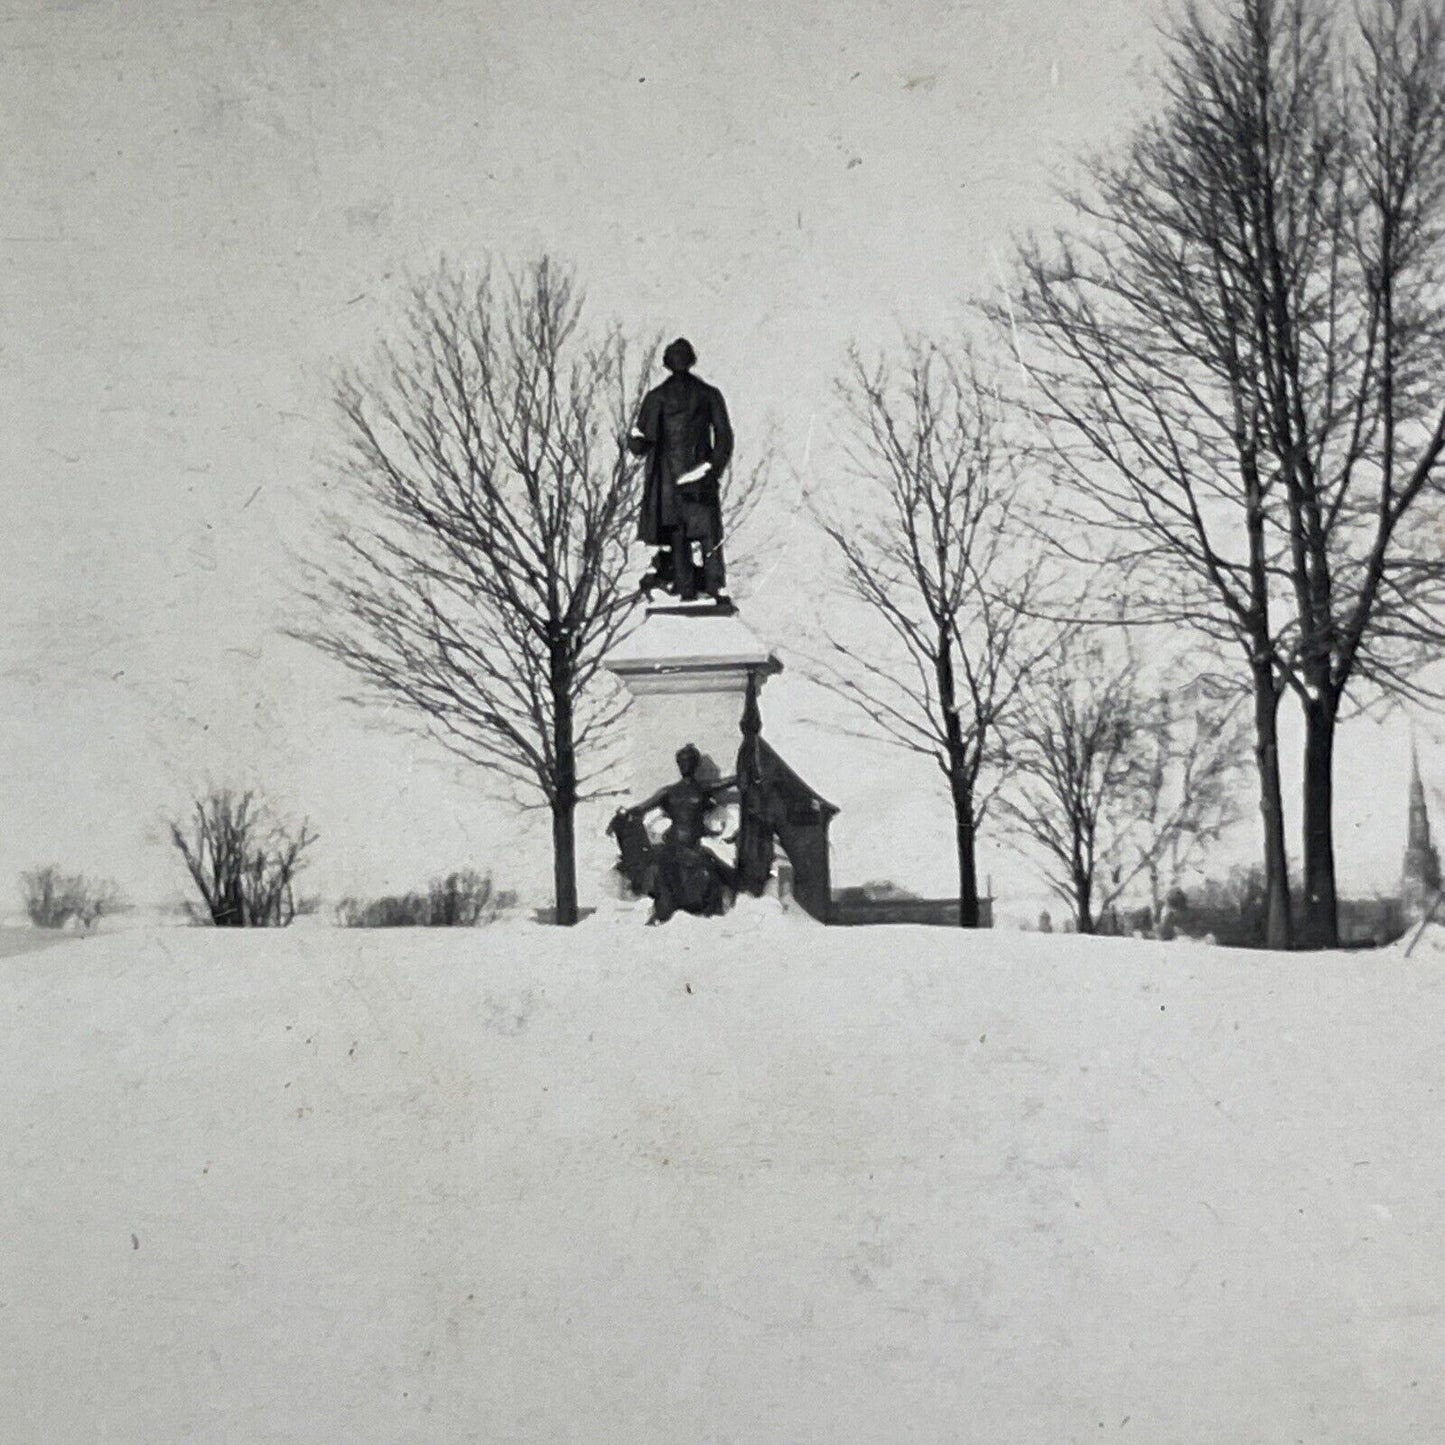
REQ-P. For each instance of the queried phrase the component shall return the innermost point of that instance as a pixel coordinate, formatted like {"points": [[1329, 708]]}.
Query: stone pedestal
{"points": [[688, 676]]}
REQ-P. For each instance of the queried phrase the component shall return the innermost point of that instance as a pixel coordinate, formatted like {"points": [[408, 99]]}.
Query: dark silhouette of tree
{"points": [[480, 570], [949, 569], [1239, 351]]}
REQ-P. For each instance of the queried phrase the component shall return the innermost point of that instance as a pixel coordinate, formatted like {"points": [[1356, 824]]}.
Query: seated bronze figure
{"points": [[679, 874]]}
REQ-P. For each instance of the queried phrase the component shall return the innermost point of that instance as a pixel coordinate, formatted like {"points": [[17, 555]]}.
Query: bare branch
{"points": [[938, 559]]}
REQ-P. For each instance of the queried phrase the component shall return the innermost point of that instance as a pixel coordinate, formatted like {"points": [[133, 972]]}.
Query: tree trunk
{"points": [[1278, 933], [564, 862], [1083, 900], [967, 861], [564, 794], [959, 785], [1319, 920]]}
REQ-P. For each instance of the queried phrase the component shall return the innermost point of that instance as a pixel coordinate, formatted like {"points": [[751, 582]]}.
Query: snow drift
{"points": [[743, 1181]]}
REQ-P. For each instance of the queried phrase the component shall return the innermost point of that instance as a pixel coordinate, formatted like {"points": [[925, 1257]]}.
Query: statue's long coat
{"points": [[683, 431]]}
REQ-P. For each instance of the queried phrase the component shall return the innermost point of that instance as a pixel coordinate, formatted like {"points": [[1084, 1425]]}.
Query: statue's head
{"points": [[688, 759], [679, 355]]}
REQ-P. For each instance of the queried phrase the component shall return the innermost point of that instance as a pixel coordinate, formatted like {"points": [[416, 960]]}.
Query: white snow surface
{"points": [[746, 1180]]}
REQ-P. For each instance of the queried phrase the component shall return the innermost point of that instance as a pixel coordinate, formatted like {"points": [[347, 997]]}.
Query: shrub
{"points": [[243, 862], [464, 899], [54, 898], [397, 910]]}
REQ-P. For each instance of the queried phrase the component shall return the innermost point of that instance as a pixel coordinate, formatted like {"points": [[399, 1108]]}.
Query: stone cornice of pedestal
{"points": [[693, 653]]}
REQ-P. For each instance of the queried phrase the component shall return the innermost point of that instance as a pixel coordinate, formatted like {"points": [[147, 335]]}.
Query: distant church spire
{"points": [[1420, 875]]}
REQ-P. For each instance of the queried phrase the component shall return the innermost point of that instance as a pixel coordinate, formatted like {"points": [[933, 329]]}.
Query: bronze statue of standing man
{"points": [[683, 431]]}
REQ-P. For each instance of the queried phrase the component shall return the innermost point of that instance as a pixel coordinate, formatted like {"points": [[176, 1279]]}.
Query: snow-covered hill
{"points": [[752, 1182]]}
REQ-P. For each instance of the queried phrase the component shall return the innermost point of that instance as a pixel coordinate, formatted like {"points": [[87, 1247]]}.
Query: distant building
{"points": [[1420, 874], [883, 901]]}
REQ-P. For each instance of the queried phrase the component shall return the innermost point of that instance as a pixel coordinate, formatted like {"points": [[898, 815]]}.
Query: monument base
{"points": [[687, 672]]}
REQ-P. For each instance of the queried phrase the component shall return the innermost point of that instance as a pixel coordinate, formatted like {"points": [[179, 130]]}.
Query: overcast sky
{"points": [[205, 209]]}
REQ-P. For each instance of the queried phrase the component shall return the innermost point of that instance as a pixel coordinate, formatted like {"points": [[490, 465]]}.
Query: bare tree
{"points": [[481, 572], [944, 563], [1081, 779], [1193, 746], [243, 862], [1239, 351], [1120, 785]]}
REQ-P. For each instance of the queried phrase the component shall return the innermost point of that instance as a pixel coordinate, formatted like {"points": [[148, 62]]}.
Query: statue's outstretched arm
{"points": [[641, 810], [724, 790]]}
